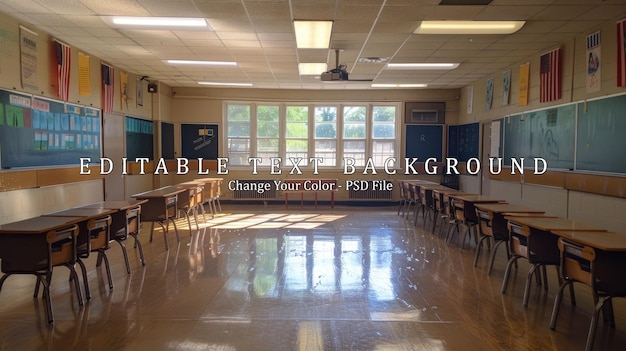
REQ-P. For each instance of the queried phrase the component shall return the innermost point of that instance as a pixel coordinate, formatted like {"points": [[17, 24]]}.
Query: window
{"points": [[383, 133], [238, 120], [354, 133], [267, 133], [326, 134], [297, 134], [301, 131]]}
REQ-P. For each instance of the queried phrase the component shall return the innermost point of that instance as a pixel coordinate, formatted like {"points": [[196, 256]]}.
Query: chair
{"points": [[403, 197], [489, 231], [96, 239], [458, 208], [60, 250], [410, 190], [601, 270], [536, 248], [194, 198], [131, 228], [441, 214], [419, 204], [169, 213]]}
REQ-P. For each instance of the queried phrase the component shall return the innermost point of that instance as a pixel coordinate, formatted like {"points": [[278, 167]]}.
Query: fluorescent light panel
{"points": [[199, 62], [312, 69], [469, 27], [226, 84], [411, 85], [423, 66], [156, 22], [313, 34]]}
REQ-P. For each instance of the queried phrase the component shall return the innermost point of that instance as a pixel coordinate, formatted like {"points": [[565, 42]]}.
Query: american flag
{"points": [[63, 70], [107, 88], [550, 76], [621, 53]]}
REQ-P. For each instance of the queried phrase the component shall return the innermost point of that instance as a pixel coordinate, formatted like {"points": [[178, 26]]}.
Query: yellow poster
{"points": [[524, 77], [84, 81], [123, 90]]}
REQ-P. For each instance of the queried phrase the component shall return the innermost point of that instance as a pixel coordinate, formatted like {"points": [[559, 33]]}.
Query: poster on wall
{"points": [[489, 94], [594, 73], [28, 58], [524, 79], [470, 99], [506, 87]]}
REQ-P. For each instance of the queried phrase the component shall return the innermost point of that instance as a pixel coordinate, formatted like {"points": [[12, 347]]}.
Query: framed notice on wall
{"points": [[199, 141]]}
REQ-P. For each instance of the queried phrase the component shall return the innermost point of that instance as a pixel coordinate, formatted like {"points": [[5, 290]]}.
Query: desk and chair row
{"points": [[67, 238], [581, 253]]}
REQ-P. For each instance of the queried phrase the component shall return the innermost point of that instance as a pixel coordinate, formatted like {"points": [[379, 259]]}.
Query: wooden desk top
{"points": [[38, 225], [607, 241], [476, 198], [159, 193], [120, 205], [506, 208], [435, 187], [91, 212], [553, 223]]}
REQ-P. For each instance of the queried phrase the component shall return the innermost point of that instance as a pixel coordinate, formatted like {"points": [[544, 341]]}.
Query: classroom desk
{"points": [[492, 224], [35, 246], [124, 222], [598, 260], [532, 238], [161, 208], [86, 242]]}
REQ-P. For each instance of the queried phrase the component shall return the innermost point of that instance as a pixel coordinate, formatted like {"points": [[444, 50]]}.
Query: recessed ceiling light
{"points": [[312, 69], [469, 27], [200, 62], [227, 84], [313, 34], [424, 66], [414, 85], [156, 22]]}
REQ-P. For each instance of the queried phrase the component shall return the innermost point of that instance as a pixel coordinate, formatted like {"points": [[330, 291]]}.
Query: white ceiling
{"points": [[259, 35]]}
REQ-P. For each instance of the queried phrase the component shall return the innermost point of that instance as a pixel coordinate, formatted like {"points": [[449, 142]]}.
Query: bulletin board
{"points": [[424, 142], [36, 131], [199, 141]]}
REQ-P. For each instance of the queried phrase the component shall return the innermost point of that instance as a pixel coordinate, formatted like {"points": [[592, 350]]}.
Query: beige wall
{"points": [[596, 209], [19, 204]]}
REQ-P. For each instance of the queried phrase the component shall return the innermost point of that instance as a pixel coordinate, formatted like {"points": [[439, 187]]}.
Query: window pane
{"points": [[238, 129], [297, 114], [354, 114], [238, 112], [267, 113], [382, 151], [355, 150], [267, 129], [384, 131], [325, 130], [384, 113], [326, 149], [297, 130], [326, 114], [354, 131]]}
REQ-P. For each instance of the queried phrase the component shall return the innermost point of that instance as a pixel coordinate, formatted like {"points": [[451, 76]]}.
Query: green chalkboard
{"points": [[549, 134], [139, 138], [601, 140]]}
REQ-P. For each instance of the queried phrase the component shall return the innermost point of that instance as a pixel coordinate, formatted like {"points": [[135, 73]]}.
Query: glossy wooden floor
{"points": [[266, 278]]}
